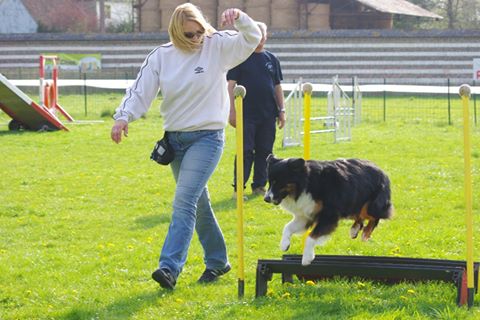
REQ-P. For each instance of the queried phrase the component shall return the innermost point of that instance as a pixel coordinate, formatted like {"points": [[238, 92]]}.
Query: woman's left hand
{"points": [[229, 16]]}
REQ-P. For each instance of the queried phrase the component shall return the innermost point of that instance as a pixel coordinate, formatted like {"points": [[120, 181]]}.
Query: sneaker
{"points": [[234, 196], [260, 191], [164, 278], [211, 275]]}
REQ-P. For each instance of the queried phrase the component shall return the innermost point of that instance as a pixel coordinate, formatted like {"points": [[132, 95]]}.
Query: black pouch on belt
{"points": [[163, 152]]}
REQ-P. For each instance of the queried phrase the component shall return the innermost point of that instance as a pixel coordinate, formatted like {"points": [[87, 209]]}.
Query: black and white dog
{"points": [[320, 193]]}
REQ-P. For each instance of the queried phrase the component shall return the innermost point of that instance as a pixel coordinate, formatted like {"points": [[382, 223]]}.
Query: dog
{"points": [[320, 193]]}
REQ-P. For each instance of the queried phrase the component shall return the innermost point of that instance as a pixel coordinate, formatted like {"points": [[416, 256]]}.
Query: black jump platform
{"points": [[385, 269]]}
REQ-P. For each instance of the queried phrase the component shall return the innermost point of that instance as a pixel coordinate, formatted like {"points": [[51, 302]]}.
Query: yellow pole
{"points": [[307, 99], [239, 93], [465, 94]]}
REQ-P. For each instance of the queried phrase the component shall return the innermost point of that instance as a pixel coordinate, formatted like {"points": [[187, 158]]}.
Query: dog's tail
{"points": [[381, 207]]}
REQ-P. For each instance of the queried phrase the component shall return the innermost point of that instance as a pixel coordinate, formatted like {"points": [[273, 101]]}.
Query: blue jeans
{"points": [[197, 154]]}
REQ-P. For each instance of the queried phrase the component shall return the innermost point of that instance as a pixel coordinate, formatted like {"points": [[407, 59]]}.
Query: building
{"points": [[15, 18], [290, 15], [70, 16]]}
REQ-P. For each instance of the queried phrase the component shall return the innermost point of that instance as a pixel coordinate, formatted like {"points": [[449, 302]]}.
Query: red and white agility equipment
{"points": [[26, 113], [48, 89]]}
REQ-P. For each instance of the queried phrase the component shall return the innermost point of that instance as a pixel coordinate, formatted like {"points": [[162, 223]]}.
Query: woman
{"points": [[190, 71]]}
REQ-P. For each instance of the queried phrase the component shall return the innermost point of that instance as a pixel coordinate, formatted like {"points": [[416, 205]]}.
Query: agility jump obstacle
{"points": [[463, 274], [27, 114]]}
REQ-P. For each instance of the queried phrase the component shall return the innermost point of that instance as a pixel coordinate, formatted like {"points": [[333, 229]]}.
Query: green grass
{"points": [[82, 221]]}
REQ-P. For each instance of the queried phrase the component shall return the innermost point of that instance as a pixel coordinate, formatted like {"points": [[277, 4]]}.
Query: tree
{"points": [[457, 14]]}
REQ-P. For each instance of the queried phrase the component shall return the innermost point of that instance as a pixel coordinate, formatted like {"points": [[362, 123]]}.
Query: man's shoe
{"points": [[259, 191], [211, 275], [164, 278]]}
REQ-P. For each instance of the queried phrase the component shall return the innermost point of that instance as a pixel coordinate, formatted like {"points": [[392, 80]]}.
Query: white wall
{"points": [[120, 11], [15, 18]]}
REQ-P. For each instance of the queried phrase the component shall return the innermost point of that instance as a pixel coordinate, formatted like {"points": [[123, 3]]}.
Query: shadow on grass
{"points": [[342, 302], [224, 205], [8, 132], [147, 222], [231, 203], [123, 308]]}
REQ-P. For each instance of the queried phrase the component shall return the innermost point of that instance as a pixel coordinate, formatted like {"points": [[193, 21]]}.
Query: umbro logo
{"points": [[198, 70]]}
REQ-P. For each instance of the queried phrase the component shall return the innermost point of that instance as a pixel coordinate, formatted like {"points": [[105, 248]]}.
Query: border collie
{"points": [[320, 193]]}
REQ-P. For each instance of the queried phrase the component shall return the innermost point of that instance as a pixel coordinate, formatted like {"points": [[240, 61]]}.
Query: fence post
{"points": [[474, 105], [449, 105], [85, 92], [384, 100], [353, 93]]}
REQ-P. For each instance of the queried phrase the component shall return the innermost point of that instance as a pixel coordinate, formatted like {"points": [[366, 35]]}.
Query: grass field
{"points": [[82, 221]]}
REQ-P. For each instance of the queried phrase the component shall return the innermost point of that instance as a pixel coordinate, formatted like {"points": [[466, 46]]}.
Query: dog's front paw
{"points": [[285, 244], [307, 258]]}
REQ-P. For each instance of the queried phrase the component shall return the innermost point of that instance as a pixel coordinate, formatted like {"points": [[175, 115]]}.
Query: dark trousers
{"points": [[258, 139]]}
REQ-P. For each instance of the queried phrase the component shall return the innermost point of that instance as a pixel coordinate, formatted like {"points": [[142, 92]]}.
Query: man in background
{"points": [[263, 107]]}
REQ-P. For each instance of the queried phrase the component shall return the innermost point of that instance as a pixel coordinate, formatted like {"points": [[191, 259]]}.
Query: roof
{"points": [[399, 7], [61, 14]]}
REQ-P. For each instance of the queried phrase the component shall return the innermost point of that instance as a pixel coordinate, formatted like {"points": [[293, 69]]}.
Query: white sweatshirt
{"points": [[193, 85]]}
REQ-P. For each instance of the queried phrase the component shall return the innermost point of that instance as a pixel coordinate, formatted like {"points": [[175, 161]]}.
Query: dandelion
{"points": [[178, 300], [310, 283], [411, 291], [149, 240]]}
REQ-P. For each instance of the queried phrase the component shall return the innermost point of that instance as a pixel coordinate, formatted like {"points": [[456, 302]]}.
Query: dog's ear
{"points": [[297, 164]]}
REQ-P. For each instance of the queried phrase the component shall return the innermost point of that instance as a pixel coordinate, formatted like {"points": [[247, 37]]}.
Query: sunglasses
{"points": [[190, 35]]}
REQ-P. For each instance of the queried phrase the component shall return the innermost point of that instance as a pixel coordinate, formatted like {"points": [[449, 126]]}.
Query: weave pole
{"points": [[464, 92], [307, 105], [307, 101], [239, 93]]}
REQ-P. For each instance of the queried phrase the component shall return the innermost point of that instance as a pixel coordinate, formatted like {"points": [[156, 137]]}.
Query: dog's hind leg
{"points": [[358, 224], [367, 232], [295, 226], [356, 227]]}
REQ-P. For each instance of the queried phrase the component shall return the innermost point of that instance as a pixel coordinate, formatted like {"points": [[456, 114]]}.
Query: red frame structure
{"points": [[26, 113]]}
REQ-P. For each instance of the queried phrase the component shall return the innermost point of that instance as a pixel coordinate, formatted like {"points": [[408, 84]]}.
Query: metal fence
{"points": [[82, 96]]}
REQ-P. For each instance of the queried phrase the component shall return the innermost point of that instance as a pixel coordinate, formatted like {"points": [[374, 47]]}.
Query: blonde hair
{"points": [[182, 13]]}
